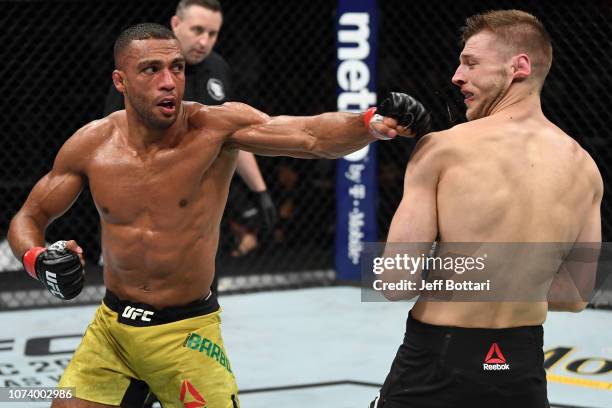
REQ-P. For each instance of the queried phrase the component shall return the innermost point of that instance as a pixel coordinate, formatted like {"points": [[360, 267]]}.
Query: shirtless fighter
{"points": [[159, 174], [507, 175]]}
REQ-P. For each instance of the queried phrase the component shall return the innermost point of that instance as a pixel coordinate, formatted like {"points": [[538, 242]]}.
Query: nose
{"points": [[204, 40], [458, 78], [166, 82]]}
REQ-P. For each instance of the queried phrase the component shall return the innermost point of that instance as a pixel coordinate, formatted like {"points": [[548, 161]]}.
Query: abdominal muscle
{"points": [[159, 268]]}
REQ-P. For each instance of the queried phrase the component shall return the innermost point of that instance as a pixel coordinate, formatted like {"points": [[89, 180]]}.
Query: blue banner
{"points": [[356, 186]]}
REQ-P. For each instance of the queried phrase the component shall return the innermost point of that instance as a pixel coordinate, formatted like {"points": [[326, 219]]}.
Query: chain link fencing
{"points": [[418, 53], [57, 60]]}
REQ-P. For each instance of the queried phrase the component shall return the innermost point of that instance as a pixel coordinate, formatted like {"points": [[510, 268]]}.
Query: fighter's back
{"points": [[510, 180], [513, 180]]}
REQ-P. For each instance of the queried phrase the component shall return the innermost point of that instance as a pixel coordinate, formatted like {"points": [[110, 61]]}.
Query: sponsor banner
{"points": [[356, 187]]}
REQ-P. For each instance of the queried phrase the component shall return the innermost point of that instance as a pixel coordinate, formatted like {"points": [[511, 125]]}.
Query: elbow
{"points": [[12, 236], [577, 307], [320, 153], [12, 229], [398, 295], [318, 150], [395, 290], [574, 307]]}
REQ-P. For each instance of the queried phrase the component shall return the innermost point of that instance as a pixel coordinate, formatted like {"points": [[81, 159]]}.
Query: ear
{"points": [[118, 80], [174, 22], [521, 66]]}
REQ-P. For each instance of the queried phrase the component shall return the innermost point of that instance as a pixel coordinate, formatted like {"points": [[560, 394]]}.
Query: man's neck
{"points": [[145, 138], [519, 101]]}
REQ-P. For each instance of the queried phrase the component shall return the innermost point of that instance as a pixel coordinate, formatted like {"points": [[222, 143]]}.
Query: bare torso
{"points": [[160, 211], [161, 190], [509, 179]]}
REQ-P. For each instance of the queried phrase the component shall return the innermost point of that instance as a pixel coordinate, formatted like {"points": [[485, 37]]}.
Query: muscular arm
{"points": [[330, 135], [575, 280], [248, 170], [415, 220], [50, 198]]}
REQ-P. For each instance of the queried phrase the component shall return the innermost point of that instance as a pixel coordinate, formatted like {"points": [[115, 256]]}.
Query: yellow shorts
{"points": [[175, 352]]}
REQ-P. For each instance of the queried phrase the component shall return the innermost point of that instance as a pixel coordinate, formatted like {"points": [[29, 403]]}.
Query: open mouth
{"points": [[469, 97], [167, 105]]}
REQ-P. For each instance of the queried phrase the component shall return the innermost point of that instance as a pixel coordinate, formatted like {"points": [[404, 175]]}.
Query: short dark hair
{"points": [[183, 5], [522, 31], [144, 31]]}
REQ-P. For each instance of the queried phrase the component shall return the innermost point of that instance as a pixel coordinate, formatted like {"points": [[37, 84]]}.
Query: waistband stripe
{"points": [[142, 314]]}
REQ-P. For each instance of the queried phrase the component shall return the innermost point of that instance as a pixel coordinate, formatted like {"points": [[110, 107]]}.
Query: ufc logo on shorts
{"points": [[52, 283], [134, 313]]}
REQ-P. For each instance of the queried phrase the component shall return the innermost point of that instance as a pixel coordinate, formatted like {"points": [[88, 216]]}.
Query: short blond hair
{"points": [[521, 31]]}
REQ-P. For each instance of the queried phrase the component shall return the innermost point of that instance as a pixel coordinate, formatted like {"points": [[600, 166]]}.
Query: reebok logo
{"points": [[190, 397], [495, 360], [134, 313]]}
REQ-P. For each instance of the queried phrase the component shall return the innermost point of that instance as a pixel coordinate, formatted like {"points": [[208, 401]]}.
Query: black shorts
{"points": [[443, 366]]}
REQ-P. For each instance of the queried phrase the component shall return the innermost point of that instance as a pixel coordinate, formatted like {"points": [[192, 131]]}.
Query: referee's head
{"points": [[196, 24]]}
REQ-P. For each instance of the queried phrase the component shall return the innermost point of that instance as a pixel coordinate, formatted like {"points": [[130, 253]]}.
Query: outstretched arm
{"points": [[329, 135]]}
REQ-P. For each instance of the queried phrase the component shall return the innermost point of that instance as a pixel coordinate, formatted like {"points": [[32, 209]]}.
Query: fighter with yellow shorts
{"points": [[176, 352]]}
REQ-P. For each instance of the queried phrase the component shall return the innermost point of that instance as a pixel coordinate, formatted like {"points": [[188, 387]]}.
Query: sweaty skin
{"points": [[536, 186], [508, 175], [160, 206], [160, 176]]}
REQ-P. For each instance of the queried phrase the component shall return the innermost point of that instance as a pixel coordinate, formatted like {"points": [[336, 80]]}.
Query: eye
{"points": [[197, 30], [176, 68], [150, 70]]}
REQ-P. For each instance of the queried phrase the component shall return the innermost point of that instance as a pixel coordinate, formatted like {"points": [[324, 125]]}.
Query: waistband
{"points": [[142, 314], [491, 355], [437, 336]]}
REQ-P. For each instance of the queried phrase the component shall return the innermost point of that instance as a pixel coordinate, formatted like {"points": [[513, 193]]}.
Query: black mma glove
{"points": [[266, 208], [408, 112], [58, 268]]}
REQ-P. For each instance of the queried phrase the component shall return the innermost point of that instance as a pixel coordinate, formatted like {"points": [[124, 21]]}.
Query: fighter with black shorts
{"points": [[509, 176]]}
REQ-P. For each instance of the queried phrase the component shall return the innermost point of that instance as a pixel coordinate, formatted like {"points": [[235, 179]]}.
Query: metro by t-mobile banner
{"points": [[356, 186]]}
